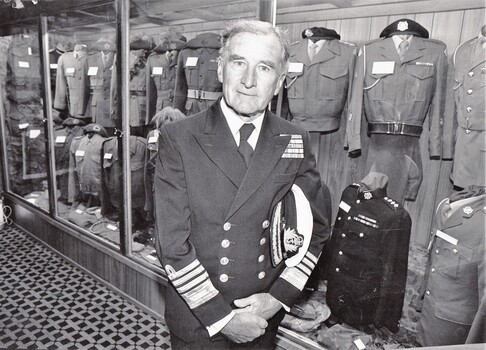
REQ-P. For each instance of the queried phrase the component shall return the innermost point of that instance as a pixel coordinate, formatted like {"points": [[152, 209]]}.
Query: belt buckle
{"points": [[394, 128], [199, 94]]}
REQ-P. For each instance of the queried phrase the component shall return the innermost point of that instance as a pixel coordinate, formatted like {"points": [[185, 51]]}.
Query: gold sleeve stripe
{"points": [[295, 277]]}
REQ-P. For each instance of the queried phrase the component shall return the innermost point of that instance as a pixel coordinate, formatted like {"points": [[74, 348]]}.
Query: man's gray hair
{"points": [[259, 28]]}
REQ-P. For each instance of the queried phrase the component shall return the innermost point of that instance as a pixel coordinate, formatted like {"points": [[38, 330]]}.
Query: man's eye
{"points": [[239, 63], [264, 68]]}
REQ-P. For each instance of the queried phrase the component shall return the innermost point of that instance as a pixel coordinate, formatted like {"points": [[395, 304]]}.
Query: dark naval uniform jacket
{"points": [[318, 91], [454, 292], [465, 120], [197, 84], [367, 265], [213, 216], [397, 96]]}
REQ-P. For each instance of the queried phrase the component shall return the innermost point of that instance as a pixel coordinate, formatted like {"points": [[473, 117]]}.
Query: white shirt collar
{"points": [[397, 40], [319, 43], [235, 123]]}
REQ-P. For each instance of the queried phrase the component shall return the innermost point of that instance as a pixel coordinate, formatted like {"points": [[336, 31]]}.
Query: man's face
{"points": [[251, 72]]}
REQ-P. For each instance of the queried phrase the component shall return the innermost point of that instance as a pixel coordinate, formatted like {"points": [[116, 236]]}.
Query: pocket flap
{"points": [[421, 72], [332, 72], [455, 313]]}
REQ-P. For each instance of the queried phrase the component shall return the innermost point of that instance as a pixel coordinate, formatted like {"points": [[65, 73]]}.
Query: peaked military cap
{"points": [[170, 46], [209, 40], [73, 122], [404, 26], [141, 42], [96, 128], [105, 44], [320, 33]]}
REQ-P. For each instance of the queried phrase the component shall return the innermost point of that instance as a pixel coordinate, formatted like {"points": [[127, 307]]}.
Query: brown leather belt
{"points": [[137, 93], [394, 128], [203, 95]]}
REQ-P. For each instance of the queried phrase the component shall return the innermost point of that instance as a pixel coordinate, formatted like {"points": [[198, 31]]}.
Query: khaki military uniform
{"points": [[465, 121], [396, 96], [161, 81], [100, 76], [318, 90], [197, 84], [72, 87]]}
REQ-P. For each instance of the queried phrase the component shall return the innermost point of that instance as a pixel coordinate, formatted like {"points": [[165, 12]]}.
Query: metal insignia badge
{"points": [[308, 33], [467, 210], [402, 26], [368, 195], [292, 241], [107, 46]]}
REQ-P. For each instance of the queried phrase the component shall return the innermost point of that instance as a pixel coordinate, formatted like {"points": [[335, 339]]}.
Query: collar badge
{"points": [[368, 195], [467, 210]]}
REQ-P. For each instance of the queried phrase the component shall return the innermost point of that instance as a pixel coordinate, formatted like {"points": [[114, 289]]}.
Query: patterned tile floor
{"points": [[47, 303]]}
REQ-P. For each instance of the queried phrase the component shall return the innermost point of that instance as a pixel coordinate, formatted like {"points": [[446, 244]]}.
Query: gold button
{"points": [[261, 258], [227, 226], [337, 269], [349, 217], [361, 234], [343, 235], [469, 91], [261, 275], [340, 253], [471, 74], [263, 241], [469, 109], [339, 218], [358, 201], [432, 269], [223, 278], [224, 261], [225, 243], [437, 251], [265, 224], [427, 292], [454, 251]]}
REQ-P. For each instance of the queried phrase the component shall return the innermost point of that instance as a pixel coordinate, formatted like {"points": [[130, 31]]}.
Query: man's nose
{"points": [[248, 79]]}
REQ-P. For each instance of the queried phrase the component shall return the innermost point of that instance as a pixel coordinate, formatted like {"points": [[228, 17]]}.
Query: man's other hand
{"points": [[244, 327], [261, 304]]}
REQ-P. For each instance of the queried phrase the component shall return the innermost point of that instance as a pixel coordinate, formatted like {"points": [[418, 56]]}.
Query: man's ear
{"points": [[220, 69]]}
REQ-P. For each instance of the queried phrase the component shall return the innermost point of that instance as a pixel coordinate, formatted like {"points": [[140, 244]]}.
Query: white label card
{"points": [[111, 227], [79, 153], [92, 71], [53, 65], [446, 237], [344, 206], [157, 70], [359, 344], [153, 139], [296, 67], [24, 64], [191, 61], [29, 51], [34, 133], [60, 139], [23, 126], [70, 70], [383, 67], [108, 156]]}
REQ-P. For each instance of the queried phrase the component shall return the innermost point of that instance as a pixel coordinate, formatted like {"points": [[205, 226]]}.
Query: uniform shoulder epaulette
{"points": [[370, 42], [394, 205], [347, 43], [435, 41], [295, 42], [460, 46], [78, 137]]}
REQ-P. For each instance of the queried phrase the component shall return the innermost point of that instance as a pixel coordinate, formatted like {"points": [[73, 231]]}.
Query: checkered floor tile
{"points": [[47, 303]]}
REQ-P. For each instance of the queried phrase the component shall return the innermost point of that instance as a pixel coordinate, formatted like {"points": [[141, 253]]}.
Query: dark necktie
{"points": [[244, 148]]}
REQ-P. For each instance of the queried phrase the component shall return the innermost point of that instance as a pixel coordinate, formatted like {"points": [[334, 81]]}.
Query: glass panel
{"points": [[22, 114], [174, 48], [81, 63]]}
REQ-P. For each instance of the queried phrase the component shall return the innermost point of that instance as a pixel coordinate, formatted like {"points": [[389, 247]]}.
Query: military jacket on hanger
{"points": [[367, 266]]}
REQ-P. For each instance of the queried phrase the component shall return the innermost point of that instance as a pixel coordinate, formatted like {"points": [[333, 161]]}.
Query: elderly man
{"points": [[218, 178]]}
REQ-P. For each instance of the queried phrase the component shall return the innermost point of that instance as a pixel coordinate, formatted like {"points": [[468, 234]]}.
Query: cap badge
{"points": [[107, 46], [467, 210], [292, 241], [96, 128], [308, 33], [402, 26], [368, 195]]}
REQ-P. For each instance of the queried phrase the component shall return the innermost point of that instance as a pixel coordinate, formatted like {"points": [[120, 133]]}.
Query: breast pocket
{"points": [[377, 86], [454, 262], [333, 82], [420, 80]]}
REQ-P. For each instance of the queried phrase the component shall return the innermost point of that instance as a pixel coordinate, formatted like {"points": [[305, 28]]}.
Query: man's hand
{"points": [[261, 304], [244, 327]]}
